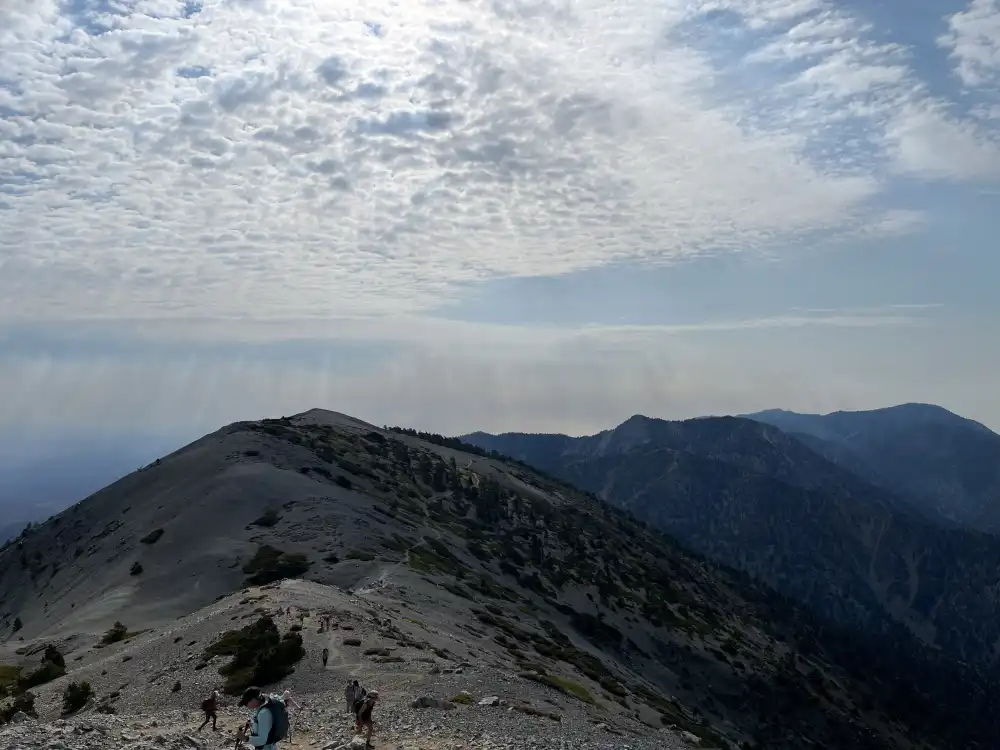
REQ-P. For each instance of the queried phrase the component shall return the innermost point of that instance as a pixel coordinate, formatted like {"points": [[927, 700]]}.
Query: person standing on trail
{"points": [[326, 657], [290, 703], [349, 697], [359, 695], [210, 706], [363, 717]]}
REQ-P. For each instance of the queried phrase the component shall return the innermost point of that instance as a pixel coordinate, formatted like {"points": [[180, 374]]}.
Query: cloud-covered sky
{"points": [[494, 214]]}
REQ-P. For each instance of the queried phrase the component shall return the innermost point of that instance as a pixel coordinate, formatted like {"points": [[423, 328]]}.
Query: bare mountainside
{"points": [[569, 611]]}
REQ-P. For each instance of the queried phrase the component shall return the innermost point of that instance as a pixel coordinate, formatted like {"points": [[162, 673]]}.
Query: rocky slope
{"points": [[448, 576], [944, 465], [750, 496]]}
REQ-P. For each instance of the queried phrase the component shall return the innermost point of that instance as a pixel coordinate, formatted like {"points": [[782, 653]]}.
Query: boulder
{"points": [[490, 701]]}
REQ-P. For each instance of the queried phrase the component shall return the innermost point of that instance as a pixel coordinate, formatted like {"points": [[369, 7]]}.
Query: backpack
{"points": [[279, 720], [208, 705]]}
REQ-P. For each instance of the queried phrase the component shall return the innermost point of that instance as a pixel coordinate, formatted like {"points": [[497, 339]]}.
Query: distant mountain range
{"points": [[824, 518], [943, 465]]}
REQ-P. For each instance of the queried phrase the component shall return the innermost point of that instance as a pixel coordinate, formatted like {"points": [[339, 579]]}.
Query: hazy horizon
{"points": [[534, 215]]}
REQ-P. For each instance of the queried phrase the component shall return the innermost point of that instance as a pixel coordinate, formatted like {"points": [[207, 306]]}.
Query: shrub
{"points": [[53, 667], [17, 624], [8, 678], [260, 655], [463, 698], [24, 703], [269, 519], [152, 537], [136, 568], [76, 695], [270, 564], [116, 633], [343, 481]]}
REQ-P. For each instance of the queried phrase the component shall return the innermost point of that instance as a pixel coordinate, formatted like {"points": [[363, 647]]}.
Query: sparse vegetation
{"points": [[53, 667], [17, 624], [561, 684], [76, 695], [8, 679], [269, 519], [25, 703], [260, 655], [463, 699], [136, 568], [152, 537], [270, 564], [114, 634]]}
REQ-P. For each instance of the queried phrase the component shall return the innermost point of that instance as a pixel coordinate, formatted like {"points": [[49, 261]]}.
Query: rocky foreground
{"points": [[480, 727]]}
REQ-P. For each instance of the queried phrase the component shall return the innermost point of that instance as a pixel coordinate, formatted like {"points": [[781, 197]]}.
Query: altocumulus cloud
{"points": [[165, 159]]}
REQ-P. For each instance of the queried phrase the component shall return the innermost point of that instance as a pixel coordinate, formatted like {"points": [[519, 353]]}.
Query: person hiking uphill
{"points": [[326, 657], [210, 706], [269, 723], [354, 694], [363, 717]]}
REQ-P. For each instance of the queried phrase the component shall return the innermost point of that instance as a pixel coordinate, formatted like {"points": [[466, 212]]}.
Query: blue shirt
{"points": [[261, 727]]}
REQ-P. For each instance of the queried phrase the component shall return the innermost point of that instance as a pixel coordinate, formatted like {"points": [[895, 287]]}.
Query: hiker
{"points": [[349, 697], [358, 694], [363, 717], [326, 657], [290, 703], [210, 705], [269, 723]]}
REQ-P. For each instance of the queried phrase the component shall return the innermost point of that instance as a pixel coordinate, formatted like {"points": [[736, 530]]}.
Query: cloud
{"points": [[165, 159], [973, 39]]}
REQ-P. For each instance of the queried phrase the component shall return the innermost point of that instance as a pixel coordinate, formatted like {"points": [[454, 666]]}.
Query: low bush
{"points": [[136, 568], [76, 695], [269, 519], [270, 564], [260, 655], [115, 633], [24, 703], [152, 537], [53, 667]]}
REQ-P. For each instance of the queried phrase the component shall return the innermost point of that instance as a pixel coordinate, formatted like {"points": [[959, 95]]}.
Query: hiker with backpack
{"points": [[210, 706], [269, 723], [358, 695], [326, 657], [363, 716]]}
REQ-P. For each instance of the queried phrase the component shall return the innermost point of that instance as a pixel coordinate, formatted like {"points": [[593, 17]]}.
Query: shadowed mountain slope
{"points": [[945, 466], [748, 495]]}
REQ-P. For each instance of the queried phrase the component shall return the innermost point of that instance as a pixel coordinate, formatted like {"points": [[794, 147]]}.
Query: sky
{"points": [[533, 215]]}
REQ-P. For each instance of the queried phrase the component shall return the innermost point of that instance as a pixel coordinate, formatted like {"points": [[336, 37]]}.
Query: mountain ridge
{"points": [[750, 496], [539, 581], [943, 465]]}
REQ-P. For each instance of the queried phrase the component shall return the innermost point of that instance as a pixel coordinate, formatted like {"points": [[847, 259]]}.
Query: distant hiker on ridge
{"points": [[326, 657], [210, 705]]}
